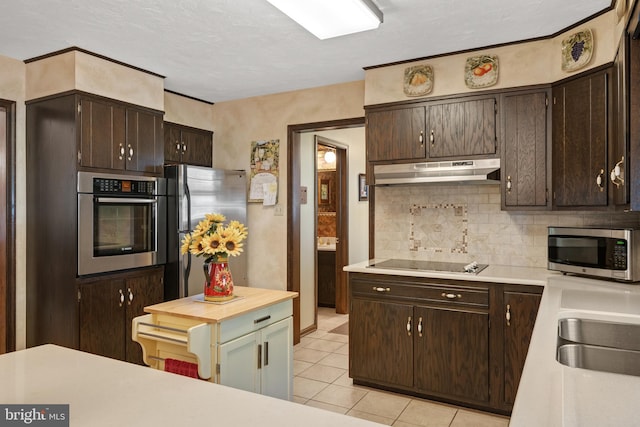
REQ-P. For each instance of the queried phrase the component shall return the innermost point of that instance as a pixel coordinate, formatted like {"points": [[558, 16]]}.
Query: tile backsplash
{"points": [[463, 223]]}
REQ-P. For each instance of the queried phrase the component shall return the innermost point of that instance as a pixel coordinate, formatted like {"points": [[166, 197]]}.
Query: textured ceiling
{"points": [[219, 50]]}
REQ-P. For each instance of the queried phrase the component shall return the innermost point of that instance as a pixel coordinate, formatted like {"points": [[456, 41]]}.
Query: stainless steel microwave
{"points": [[608, 253], [121, 222]]}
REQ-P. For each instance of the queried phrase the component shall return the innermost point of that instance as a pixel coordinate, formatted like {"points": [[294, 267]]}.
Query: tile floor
{"points": [[321, 379]]}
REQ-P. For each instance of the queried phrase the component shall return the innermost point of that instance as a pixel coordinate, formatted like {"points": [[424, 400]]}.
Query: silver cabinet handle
{"points": [[599, 180], [509, 184], [121, 151], [178, 146], [451, 296], [508, 315], [432, 138], [130, 296], [420, 327], [184, 147], [121, 298], [421, 138], [130, 152], [409, 325], [380, 289]]}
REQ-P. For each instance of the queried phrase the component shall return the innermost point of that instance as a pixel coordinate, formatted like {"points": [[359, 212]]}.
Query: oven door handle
{"points": [[123, 200]]}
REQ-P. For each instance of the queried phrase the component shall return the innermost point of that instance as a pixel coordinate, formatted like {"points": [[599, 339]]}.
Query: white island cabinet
{"points": [[246, 343]]}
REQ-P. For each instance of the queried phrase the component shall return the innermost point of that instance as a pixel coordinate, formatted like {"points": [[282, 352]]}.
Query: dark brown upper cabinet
{"points": [[526, 129], [119, 137], [184, 144], [396, 134], [462, 127], [582, 123]]}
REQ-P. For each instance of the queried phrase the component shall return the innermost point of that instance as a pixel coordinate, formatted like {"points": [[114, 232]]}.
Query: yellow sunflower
{"points": [[242, 230], [212, 244], [186, 243], [215, 217], [232, 244]]}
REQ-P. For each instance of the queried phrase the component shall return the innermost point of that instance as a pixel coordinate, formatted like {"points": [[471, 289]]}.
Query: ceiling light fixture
{"points": [[329, 157], [332, 18]]}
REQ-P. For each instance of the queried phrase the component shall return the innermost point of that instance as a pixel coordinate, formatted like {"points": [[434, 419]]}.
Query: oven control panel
{"points": [[123, 187]]}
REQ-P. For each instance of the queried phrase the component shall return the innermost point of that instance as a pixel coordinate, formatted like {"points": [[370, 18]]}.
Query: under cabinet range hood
{"points": [[481, 171]]}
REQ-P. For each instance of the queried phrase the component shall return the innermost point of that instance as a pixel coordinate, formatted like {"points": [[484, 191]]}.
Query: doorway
{"points": [[298, 207], [332, 225], [7, 231]]}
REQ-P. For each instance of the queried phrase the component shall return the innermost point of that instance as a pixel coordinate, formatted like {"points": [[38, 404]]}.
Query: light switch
{"points": [[303, 195]]}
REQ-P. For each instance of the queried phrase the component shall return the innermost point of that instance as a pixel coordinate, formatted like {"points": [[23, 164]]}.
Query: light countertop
{"points": [[248, 299], [493, 273], [551, 394], [107, 392]]}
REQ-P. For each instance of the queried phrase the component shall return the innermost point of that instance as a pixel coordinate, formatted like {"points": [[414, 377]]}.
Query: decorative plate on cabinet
{"points": [[418, 80], [577, 50], [481, 71]]}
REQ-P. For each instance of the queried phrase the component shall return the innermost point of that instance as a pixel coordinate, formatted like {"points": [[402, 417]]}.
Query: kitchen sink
{"points": [[595, 358], [599, 345]]}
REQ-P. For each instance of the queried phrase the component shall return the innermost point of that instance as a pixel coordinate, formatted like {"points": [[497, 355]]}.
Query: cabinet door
{"points": [[102, 134], [197, 147], [277, 359], [140, 292], [396, 134], [381, 342], [172, 144], [520, 316], [462, 128], [580, 136], [525, 149], [619, 147], [452, 353], [144, 151], [102, 328], [238, 360]]}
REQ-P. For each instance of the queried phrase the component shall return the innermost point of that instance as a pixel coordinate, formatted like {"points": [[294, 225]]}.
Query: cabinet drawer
{"points": [[254, 320], [422, 292]]}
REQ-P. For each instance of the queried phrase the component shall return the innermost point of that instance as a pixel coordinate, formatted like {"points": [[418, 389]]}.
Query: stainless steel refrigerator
{"points": [[194, 191]]}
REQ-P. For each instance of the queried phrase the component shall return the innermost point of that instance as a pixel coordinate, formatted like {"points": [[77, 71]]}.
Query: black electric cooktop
{"points": [[420, 265]]}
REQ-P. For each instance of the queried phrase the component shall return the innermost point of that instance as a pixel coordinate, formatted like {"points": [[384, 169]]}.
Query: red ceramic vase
{"points": [[218, 285]]}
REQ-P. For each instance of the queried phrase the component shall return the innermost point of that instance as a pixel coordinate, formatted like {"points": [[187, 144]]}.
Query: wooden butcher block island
{"points": [[245, 343]]}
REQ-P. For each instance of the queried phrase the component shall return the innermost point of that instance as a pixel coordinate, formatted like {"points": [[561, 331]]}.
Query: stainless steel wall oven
{"points": [[121, 222]]}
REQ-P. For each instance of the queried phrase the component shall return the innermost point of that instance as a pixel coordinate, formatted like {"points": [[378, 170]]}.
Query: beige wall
{"points": [[237, 123], [519, 65], [89, 73], [12, 88], [187, 111]]}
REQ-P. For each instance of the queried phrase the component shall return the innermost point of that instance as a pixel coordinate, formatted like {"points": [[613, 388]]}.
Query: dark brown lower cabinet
{"points": [[441, 339], [108, 305], [521, 309], [326, 278]]}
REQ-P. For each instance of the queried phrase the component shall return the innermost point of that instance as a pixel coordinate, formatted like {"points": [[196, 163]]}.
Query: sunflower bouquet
{"points": [[213, 239]]}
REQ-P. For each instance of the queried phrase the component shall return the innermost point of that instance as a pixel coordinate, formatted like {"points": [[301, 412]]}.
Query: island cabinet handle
{"points": [[381, 289], [508, 315], [409, 325], [420, 326], [266, 353], [121, 298], [259, 356], [451, 296], [130, 296], [262, 319]]}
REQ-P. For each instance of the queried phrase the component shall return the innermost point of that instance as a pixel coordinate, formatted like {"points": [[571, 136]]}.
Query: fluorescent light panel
{"points": [[331, 18]]}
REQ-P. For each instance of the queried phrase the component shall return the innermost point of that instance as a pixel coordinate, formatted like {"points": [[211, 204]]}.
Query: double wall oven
{"points": [[121, 222]]}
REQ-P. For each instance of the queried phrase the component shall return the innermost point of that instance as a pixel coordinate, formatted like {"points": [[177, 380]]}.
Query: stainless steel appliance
{"points": [[610, 253], [121, 222], [480, 171], [422, 265], [194, 191]]}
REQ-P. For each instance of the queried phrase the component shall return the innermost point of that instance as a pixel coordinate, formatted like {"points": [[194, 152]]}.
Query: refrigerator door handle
{"points": [[187, 272]]}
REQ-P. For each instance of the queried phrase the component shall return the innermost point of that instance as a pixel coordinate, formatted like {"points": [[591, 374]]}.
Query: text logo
{"points": [[34, 415]]}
